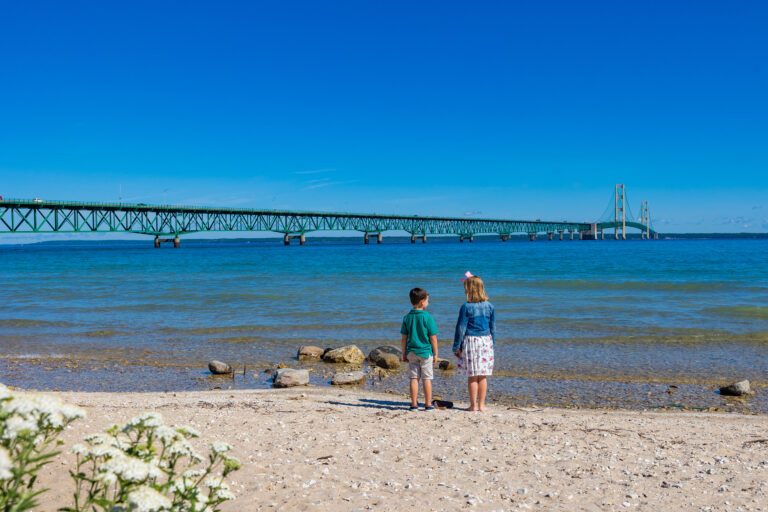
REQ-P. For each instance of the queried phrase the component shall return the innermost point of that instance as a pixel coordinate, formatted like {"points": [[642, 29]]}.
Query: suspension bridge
{"points": [[168, 222]]}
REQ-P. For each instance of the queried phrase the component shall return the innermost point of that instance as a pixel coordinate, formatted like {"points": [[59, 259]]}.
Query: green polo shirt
{"points": [[419, 325]]}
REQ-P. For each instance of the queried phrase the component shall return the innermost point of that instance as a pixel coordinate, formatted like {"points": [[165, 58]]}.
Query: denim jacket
{"points": [[475, 319]]}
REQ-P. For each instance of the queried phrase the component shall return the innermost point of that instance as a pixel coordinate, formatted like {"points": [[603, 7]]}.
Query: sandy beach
{"points": [[331, 449]]}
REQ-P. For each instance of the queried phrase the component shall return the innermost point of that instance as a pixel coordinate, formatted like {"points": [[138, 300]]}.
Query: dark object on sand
{"points": [[219, 368], [740, 388], [443, 404]]}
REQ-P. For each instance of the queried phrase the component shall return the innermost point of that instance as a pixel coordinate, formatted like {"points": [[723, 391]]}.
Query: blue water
{"points": [[596, 323]]}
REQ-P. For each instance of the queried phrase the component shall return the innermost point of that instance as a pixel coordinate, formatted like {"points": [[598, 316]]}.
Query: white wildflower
{"points": [[154, 470], [148, 419], [16, 426], [220, 447], [70, 412], [79, 449], [130, 469], [223, 494], [4, 392], [182, 448], [215, 483], [166, 435], [6, 465], [107, 478], [146, 499], [193, 473]]}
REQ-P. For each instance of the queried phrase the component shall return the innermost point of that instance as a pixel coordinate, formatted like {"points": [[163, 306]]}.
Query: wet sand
{"points": [[330, 449]]}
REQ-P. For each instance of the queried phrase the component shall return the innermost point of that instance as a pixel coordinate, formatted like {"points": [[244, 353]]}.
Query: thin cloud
{"points": [[325, 183]]}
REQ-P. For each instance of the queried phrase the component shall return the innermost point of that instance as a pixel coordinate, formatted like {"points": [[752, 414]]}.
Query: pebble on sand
{"points": [[219, 368]]}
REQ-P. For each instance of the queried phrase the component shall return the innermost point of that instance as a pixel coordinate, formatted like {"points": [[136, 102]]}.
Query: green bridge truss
{"points": [[37, 216]]}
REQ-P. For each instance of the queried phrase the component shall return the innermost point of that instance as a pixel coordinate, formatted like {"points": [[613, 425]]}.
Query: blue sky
{"points": [[510, 109]]}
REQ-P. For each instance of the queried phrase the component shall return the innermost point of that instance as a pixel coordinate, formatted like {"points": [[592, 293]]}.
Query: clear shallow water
{"points": [[580, 323]]}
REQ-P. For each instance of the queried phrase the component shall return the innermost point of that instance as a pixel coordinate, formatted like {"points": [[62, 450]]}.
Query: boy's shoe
{"points": [[413, 408], [429, 408]]}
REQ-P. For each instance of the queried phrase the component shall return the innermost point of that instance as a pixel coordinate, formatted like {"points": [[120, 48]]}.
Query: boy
{"points": [[419, 343]]}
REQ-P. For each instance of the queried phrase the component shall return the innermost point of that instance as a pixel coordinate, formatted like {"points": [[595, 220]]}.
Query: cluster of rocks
{"points": [[386, 357]]}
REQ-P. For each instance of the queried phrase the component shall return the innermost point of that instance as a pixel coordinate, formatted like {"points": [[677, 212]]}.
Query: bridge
{"points": [[167, 223]]}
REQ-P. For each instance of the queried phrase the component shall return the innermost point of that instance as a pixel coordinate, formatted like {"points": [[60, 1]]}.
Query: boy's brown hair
{"points": [[475, 290], [417, 295]]}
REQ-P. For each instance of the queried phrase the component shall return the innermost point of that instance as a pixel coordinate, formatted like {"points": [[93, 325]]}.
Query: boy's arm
{"points": [[433, 342], [403, 341]]}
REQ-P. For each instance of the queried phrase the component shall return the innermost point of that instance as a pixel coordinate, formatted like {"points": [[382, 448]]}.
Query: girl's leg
{"points": [[472, 388], [482, 389]]}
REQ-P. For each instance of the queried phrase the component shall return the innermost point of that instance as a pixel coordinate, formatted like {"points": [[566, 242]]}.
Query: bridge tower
{"points": [[645, 216], [620, 212]]}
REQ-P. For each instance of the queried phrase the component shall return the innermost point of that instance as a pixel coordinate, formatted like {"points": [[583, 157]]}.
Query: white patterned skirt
{"points": [[477, 356]]}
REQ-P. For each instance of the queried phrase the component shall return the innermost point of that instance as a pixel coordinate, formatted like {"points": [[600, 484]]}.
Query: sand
{"points": [[331, 449]]}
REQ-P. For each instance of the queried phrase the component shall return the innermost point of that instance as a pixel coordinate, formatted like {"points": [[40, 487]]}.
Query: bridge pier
{"points": [[175, 240], [561, 234], [287, 238], [550, 236], [532, 237], [504, 237], [572, 234], [602, 235], [366, 240], [413, 239], [424, 238], [379, 238]]}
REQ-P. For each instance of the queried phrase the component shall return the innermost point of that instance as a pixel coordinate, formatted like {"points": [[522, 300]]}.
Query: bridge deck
{"points": [[38, 216]]}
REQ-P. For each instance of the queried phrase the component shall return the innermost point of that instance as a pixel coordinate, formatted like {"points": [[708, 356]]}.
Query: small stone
{"points": [[309, 352], [289, 377], [740, 388], [349, 354], [219, 368], [348, 378], [445, 364]]}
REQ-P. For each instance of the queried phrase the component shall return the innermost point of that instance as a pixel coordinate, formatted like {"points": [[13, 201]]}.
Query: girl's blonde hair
{"points": [[475, 290]]}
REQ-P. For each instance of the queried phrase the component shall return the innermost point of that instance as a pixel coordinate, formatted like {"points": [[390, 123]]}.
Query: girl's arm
{"points": [[493, 325], [461, 328]]}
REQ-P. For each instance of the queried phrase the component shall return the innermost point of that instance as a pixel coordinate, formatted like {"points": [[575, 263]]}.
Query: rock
{"points": [[445, 364], [219, 368], [309, 352], [347, 378], [349, 354], [384, 349], [740, 388], [386, 357], [289, 377]]}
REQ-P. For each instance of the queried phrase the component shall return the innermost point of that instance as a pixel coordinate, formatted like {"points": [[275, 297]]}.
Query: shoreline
{"points": [[313, 448]]}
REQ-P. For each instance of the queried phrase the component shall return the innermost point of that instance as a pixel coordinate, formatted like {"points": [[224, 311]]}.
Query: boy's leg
{"points": [[482, 389], [427, 392], [472, 389], [414, 392]]}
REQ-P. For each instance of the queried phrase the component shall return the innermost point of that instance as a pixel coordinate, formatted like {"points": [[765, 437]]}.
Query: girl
{"points": [[474, 339]]}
